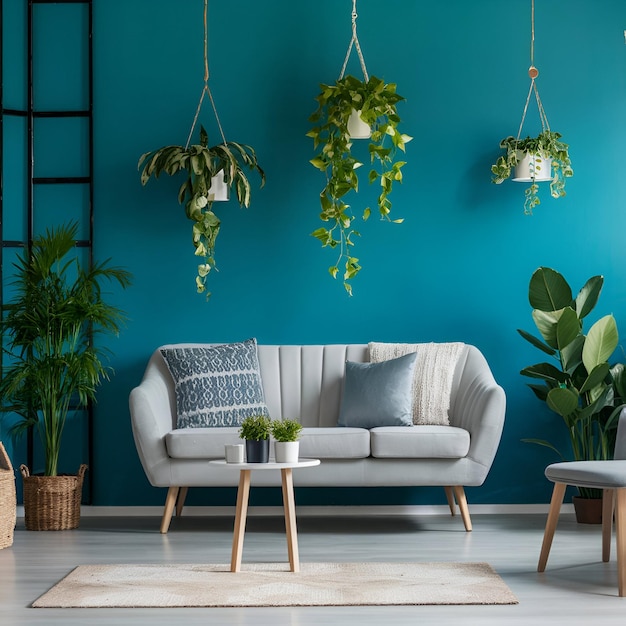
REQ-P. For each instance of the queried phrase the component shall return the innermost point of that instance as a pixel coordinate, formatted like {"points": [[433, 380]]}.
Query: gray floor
{"points": [[577, 587]]}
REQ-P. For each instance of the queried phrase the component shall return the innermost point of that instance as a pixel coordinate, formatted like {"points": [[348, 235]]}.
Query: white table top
{"points": [[269, 465]]}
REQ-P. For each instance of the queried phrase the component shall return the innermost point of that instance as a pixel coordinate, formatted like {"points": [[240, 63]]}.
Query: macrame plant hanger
{"points": [[357, 128], [206, 90], [354, 42], [533, 73], [220, 191]]}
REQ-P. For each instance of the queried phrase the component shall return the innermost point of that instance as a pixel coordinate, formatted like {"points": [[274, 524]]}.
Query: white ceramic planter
{"points": [[524, 169], [219, 190], [286, 451], [357, 128]]}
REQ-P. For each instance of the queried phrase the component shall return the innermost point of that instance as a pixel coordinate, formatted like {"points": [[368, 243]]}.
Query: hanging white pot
{"points": [[286, 451], [219, 190], [538, 164], [357, 128]]}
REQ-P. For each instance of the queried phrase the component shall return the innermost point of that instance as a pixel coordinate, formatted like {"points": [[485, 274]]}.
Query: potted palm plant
{"points": [[578, 384], [256, 429], [287, 433], [54, 365], [342, 108], [209, 173], [533, 160]]}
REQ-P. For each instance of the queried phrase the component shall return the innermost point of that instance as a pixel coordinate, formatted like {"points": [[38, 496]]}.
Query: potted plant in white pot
{"points": [[286, 432], [255, 430], [342, 107], [209, 173], [533, 160], [53, 365], [578, 384]]}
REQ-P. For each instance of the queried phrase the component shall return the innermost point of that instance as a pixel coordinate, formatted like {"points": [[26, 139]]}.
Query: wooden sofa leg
{"points": [[553, 517], [620, 519], [170, 502], [608, 497], [180, 501], [459, 493], [451, 502]]}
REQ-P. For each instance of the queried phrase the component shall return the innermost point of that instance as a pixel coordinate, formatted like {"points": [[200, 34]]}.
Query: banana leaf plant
{"points": [[201, 164], [376, 103], [578, 384]]}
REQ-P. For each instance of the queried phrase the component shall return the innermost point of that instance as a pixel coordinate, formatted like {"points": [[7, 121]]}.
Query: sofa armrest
{"points": [[151, 420], [479, 407]]}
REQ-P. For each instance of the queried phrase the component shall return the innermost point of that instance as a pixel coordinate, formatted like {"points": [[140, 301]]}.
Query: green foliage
{"points": [[255, 428], [54, 364], [377, 103], [547, 144], [286, 430], [200, 163], [579, 385]]}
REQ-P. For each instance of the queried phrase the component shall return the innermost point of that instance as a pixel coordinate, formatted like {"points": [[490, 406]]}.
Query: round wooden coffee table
{"points": [[289, 504]]}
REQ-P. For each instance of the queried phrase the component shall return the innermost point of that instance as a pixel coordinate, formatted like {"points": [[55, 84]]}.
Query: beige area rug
{"points": [[263, 584]]}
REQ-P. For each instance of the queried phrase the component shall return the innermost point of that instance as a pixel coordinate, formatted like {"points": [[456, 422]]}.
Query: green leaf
{"points": [[545, 371], [537, 342], [567, 328], [588, 296], [596, 377], [546, 322], [563, 401], [602, 339], [549, 291]]}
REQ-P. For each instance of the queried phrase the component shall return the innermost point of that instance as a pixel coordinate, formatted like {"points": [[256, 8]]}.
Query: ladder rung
{"points": [[61, 180]]}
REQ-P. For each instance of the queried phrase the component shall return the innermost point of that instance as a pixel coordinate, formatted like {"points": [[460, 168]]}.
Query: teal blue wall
{"points": [[456, 270]]}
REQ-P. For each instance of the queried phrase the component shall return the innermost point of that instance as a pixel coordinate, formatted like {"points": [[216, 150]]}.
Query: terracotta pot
{"points": [[588, 510]]}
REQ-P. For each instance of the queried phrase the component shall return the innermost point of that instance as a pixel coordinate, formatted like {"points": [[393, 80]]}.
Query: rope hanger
{"points": [[354, 41], [533, 72], [206, 90]]}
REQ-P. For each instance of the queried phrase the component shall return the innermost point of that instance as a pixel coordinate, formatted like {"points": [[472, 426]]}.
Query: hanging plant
{"points": [[348, 103], [210, 173], [201, 165], [534, 159]]}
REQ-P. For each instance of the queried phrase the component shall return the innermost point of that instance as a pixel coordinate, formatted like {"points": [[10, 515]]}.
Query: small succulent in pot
{"points": [[286, 430]]}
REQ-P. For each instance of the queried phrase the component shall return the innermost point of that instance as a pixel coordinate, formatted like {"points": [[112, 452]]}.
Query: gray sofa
{"points": [[305, 382]]}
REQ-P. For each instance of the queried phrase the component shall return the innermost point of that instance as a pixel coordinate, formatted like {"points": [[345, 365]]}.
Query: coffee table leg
{"points": [[290, 519], [240, 520]]}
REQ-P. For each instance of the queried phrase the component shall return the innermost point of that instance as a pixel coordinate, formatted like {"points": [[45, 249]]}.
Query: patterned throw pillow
{"points": [[216, 385]]}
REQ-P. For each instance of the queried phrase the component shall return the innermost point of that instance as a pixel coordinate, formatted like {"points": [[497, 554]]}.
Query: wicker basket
{"points": [[8, 505], [52, 502]]}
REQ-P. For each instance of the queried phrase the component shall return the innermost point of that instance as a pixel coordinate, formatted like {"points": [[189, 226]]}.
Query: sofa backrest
{"points": [[305, 381]]}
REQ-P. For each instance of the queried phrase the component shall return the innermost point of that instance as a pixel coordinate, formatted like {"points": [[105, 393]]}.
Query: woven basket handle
{"points": [[25, 471], [81, 472]]}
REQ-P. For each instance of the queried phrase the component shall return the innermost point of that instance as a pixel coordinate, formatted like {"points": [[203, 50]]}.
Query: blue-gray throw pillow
{"points": [[378, 394], [216, 385]]}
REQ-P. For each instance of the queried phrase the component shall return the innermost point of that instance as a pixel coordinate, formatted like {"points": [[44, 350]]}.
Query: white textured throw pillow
{"points": [[432, 379]]}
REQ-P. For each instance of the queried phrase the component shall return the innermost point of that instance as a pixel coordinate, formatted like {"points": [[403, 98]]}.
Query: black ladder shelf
{"points": [[33, 25]]}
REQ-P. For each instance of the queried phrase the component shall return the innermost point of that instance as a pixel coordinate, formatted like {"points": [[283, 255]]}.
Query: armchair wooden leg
{"points": [[553, 518], [170, 502], [608, 498], [180, 501], [620, 523], [451, 502], [459, 493]]}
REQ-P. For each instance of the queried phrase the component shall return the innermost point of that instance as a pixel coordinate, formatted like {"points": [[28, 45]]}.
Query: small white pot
{"points": [[357, 128], [541, 164], [286, 451], [219, 190]]}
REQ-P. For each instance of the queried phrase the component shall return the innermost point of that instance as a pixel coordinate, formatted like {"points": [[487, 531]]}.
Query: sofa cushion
{"points": [[216, 386], [433, 376], [378, 394], [335, 443], [420, 442], [315, 443], [200, 443]]}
